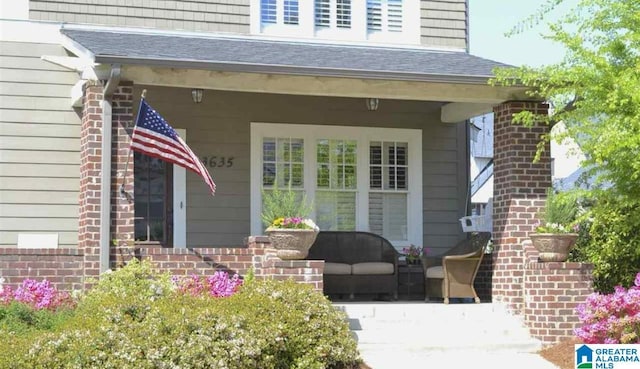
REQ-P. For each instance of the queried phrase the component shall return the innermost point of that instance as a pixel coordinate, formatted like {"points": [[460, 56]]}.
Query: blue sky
{"points": [[491, 19]]}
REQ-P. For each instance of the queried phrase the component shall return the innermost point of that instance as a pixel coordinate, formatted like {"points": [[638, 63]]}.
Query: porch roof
{"points": [[256, 55]]}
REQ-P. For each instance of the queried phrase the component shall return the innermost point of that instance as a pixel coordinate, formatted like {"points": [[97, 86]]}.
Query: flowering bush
{"points": [[412, 253], [37, 295], [611, 318], [217, 285]]}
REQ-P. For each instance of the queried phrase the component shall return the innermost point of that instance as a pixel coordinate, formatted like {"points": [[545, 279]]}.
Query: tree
{"points": [[595, 92], [595, 89]]}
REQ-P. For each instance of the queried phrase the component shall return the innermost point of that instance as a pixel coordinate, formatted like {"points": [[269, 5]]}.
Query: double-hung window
{"points": [[395, 21], [358, 179]]}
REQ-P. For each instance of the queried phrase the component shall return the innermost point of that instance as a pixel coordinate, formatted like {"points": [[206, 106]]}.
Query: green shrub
{"points": [[610, 239], [18, 318], [267, 324]]}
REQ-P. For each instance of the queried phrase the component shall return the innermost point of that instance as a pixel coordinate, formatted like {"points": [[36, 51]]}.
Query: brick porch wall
{"points": [[552, 291]]}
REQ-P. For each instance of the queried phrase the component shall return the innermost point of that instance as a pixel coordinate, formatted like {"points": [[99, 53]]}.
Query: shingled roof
{"points": [[247, 54]]}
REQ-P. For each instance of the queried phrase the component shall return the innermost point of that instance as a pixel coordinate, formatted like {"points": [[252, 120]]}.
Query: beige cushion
{"points": [[435, 272], [337, 268], [372, 268]]}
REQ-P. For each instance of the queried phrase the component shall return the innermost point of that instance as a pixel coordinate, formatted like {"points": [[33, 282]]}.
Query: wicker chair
{"points": [[451, 274]]}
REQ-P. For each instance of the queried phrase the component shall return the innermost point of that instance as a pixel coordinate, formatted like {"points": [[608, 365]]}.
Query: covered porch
{"points": [[257, 91]]}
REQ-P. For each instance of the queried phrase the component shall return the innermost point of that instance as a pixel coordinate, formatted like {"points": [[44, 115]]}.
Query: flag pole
{"points": [[126, 165]]}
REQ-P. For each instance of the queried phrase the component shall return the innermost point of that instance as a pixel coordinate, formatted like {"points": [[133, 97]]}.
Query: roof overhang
{"points": [[235, 63]]}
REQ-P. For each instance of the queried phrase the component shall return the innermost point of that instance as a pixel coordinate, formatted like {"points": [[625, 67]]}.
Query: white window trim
{"points": [[310, 133], [306, 28], [180, 201]]}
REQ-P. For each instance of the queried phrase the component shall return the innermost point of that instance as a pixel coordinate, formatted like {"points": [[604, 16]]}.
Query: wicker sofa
{"points": [[356, 263]]}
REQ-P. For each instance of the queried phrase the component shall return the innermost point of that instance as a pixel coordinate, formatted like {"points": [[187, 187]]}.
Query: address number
{"points": [[218, 161]]}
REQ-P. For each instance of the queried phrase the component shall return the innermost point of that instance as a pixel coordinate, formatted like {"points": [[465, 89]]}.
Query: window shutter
{"points": [[374, 15], [268, 11], [388, 215], [394, 15], [323, 13]]}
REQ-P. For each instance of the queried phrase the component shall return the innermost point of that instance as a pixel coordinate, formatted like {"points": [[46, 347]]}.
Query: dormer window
{"points": [[384, 21]]}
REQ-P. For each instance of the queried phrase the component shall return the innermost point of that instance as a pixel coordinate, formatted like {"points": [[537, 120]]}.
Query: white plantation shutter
{"points": [[394, 15], [336, 211], [388, 215], [374, 15], [384, 15]]}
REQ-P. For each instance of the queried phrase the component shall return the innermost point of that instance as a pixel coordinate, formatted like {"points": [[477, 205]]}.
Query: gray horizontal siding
{"points": [[443, 23], [207, 16], [220, 126], [39, 145]]}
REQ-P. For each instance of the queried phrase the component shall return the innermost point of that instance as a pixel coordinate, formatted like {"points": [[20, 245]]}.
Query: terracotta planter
{"points": [[553, 247], [291, 244]]}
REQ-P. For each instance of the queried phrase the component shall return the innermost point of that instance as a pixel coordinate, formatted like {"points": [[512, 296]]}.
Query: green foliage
{"points": [[267, 324], [129, 289], [277, 203], [610, 239], [559, 213], [20, 318]]}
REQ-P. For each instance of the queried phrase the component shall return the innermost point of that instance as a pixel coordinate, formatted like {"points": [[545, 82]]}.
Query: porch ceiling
{"points": [[249, 64]]}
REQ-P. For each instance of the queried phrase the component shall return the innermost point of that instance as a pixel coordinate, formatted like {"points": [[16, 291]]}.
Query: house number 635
{"points": [[218, 161]]}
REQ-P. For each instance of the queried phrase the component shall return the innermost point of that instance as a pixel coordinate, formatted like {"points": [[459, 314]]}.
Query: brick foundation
{"points": [[62, 267]]}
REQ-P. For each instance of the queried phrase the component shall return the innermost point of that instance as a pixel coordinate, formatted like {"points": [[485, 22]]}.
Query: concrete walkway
{"points": [[454, 359], [394, 335]]}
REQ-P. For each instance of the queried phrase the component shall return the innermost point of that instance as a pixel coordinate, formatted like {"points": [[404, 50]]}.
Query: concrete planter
{"points": [[553, 247], [291, 244]]}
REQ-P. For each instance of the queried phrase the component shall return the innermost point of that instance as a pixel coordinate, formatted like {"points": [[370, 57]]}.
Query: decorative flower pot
{"points": [[552, 246], [291, 243]]}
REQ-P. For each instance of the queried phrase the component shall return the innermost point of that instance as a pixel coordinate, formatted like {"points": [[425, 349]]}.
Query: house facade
{"points": [[360, 105]]}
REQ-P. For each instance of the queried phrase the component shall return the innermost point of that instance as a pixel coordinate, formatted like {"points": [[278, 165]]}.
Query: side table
{"points": [[410, 282]]}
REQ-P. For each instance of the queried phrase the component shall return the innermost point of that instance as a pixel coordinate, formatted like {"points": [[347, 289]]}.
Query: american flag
{"points": [[153, 136]]}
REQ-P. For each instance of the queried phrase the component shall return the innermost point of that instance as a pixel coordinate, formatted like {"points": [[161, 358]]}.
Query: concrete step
{"points": [[427, 327]]}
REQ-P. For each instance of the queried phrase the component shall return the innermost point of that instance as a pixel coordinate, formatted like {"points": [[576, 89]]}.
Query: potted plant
{"points": [[412, 254], [288, 226], [556, 235]]}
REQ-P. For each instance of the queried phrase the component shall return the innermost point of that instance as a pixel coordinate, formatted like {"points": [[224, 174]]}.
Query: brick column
{"points": [[91, 169], [89, 203], [122, 207], [518, 195]]}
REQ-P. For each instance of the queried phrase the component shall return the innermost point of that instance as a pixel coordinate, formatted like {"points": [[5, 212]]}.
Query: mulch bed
{"points": [[561, 354]]}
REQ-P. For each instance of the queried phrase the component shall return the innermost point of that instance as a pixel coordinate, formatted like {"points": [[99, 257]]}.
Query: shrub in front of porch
{"points": [[139, 319]]}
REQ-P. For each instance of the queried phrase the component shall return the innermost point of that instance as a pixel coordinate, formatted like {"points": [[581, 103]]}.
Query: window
{"points": [[336, 184], [388, 172], [394, 21], [333, 14], [358, 179], [153, 216]]}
